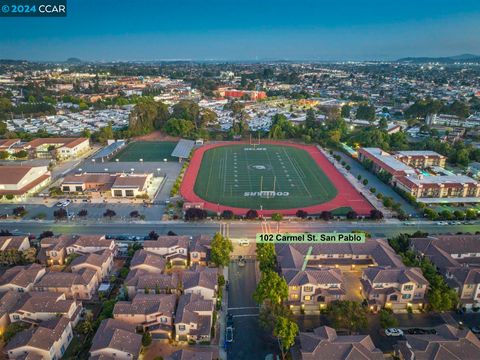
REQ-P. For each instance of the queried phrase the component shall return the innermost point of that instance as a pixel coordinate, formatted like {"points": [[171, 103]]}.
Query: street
{"points": [[238, 229], [250, 341]]}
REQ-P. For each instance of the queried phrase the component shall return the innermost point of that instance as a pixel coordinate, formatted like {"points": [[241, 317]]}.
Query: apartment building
{"points": [[61, 148], [421, 159]]}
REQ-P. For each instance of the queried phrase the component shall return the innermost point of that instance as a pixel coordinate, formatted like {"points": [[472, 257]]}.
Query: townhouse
{"points": [[17, 182], [147, 261], [325, 343], [81, 285], [54, 250], [21, 278], [395, 288], [101, 262], [456, 257], [173, 248], [314, 275], [199, 251], [449, 342], [49, 340], [193, 318], [35, 307], [8, 303], [116, 339], [149, 313], [311, 288], [201, 281]]}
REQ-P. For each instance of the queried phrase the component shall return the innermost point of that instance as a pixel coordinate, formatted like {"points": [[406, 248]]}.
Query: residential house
{"points": [[141, 281], [54, 250], [395, 288], [193, 318], [449, 342], [35, 307], [201, 281], [21, 278], [173, 248], [191, 354], [116, 339], [325, 343], [147, 261], [8, 303], [19, 243], [199, 252], [101, 262], [81, 285], [49, 340], [148, 312]]}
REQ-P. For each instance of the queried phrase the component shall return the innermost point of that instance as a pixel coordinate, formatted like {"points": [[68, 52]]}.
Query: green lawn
{"points": [[149, 151], [236, 175]]}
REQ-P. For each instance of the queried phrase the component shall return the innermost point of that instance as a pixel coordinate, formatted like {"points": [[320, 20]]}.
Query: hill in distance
{"points": [[463, 58]]}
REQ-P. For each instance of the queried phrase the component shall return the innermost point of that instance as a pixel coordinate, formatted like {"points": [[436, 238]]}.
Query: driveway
{"points": [[357, 169], [250, 340]]}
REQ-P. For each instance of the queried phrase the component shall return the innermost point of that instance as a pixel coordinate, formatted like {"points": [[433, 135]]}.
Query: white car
{"points": [[244, 242], [229, 334], [66, 203], [393, 332]]}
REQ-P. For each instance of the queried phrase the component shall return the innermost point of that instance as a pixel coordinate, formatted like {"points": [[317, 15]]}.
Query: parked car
{"points": [[59, 204], [244, 242], [393, 332], [229, 320], [229, 334], [66, 202]]}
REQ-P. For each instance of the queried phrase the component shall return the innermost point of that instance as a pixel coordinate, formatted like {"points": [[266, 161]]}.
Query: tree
{"points": [[326, 215], [345, 113], [366, 112], [352, 215], [227, 214], [188, 110], [348, 315], [376, 215], [277, 217], [266, 256], [146, 339], [152, 235], [45, 234], [193, 214], [179, 127], [134, 214], [109, 213], [387, 320], [430, 213], [221, 248], [19, 211], [285, 331], [60, 214], [251, 214], [302, 214], [271, 287], [83, 213]]}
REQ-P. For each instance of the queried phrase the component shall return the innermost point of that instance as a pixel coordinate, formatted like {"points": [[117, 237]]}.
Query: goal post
{"points": [[267, 193]]}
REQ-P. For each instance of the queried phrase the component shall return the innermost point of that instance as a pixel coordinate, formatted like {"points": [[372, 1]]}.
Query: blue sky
{"points": [[246, 30]]}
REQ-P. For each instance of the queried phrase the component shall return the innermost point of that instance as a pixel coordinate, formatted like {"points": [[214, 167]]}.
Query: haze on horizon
{"points": [[109, 30]]}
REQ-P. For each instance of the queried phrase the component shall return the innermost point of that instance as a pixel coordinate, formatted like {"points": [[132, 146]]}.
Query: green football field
{"points": [[267, 176], [149, 151]]}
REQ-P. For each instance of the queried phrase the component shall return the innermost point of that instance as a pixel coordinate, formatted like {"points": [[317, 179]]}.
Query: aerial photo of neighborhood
{"points": [[243, 181]]}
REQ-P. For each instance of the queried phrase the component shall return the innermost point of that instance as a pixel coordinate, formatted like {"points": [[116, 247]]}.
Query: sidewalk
{"points": [[222, 315]]}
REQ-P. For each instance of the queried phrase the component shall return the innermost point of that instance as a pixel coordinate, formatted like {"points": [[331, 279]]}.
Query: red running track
{"points": [[347, 195]]}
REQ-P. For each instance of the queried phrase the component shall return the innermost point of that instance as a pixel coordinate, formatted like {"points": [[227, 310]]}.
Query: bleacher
{"points": [[183, 149]]}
